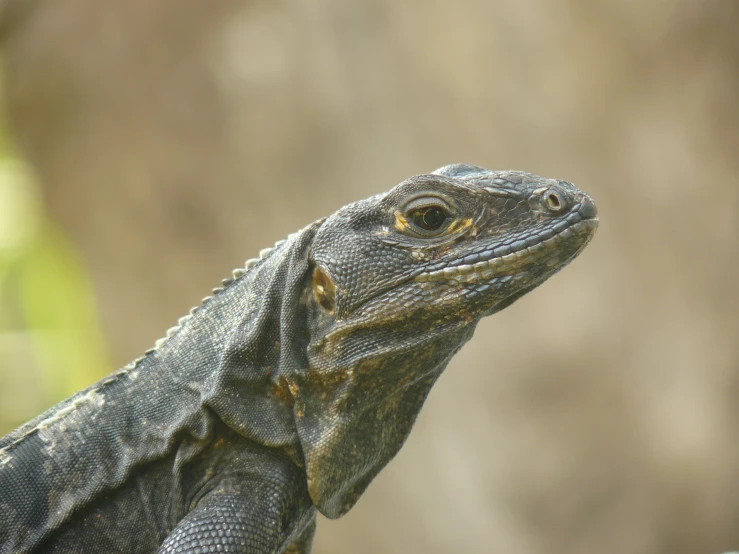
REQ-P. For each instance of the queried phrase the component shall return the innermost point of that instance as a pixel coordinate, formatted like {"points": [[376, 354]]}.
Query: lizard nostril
{"points": [[554, 203]]}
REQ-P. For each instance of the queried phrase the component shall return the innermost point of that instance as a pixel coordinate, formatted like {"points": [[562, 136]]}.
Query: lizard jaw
{"points": [[514, 256]]}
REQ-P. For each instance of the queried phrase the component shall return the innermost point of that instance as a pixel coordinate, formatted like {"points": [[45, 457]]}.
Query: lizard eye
{"points": [[429, 219], [428, 216]]}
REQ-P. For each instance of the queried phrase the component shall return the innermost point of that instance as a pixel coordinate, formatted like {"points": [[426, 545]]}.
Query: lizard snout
{"points": [[588, 209]]}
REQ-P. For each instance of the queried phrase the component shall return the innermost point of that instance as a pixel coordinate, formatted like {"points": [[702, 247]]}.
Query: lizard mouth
{"points": [[492, 266], [509, 257]]}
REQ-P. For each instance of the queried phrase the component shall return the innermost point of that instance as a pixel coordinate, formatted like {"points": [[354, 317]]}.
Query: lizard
{"points": [[287, 391]]}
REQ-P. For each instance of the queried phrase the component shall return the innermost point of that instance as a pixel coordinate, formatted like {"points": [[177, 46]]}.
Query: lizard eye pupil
{"points": [[429, 218]]}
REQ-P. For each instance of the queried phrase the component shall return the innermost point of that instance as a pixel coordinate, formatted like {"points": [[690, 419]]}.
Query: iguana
{"points": [[292, 386]]}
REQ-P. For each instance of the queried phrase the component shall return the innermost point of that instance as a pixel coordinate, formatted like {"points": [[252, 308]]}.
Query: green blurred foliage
{"points": [[51, 344]]}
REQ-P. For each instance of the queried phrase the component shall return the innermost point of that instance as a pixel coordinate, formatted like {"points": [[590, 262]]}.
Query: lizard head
{"points": [[398, 283]]}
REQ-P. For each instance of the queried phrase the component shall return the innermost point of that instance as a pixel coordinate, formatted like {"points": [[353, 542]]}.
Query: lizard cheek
{"points": [[324, 290]]}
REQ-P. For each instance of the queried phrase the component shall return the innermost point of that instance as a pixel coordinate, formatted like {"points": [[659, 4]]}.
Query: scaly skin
{"points": [[290, 389]]}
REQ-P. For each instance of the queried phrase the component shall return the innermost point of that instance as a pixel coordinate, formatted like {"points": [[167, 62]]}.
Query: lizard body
{"points": [[295, 384]]}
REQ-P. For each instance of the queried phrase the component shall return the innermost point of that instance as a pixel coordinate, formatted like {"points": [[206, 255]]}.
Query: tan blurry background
{"points": [[172, 140]]}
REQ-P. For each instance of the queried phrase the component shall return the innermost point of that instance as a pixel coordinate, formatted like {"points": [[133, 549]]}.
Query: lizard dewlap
{"points": [[291, 387]]}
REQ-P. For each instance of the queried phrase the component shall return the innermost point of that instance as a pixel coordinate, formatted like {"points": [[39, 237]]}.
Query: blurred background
{"points": [[148, 148]]}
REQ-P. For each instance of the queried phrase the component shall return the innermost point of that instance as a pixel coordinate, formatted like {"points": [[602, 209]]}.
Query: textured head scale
{"points": [[399, 282]]}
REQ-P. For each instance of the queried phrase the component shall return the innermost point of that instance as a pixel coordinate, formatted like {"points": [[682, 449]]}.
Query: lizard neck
{"points": [[237, 351], [358, 401]]}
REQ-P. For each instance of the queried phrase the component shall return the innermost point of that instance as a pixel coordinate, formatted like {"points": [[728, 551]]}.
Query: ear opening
{"points": [[324, 290]]}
